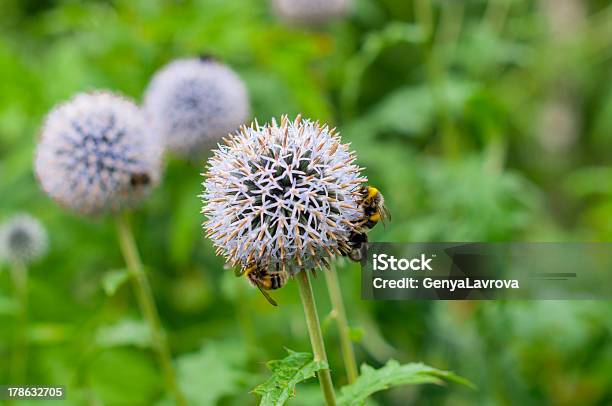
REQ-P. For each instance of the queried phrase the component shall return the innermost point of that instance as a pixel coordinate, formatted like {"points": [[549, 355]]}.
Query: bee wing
{"points": [[267, 296], [385, 214], [363, 251], [355, 255]]}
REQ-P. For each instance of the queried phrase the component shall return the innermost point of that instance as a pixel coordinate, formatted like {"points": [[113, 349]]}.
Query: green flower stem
{"points": [[346, 346], [19, 275], [316, 337], [147, 305]]}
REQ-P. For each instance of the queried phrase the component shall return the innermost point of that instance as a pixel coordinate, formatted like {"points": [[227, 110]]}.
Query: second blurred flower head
{"points": [[195, 102], [96, 154]]}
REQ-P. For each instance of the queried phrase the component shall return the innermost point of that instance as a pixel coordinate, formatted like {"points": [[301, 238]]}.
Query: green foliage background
{"points": [[448, 105]]}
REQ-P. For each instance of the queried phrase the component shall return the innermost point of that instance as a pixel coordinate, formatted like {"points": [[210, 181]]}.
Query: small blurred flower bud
{"points": [[23, 239]]}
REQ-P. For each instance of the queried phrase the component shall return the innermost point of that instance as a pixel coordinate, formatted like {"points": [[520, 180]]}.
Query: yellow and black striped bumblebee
{"points": [[263, 279], [374, 211]]}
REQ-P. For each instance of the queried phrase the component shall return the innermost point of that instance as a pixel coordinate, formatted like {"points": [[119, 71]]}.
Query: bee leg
{"points": [[267, 296]]}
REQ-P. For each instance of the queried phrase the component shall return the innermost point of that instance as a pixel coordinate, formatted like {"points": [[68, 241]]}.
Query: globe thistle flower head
{"points": [[193, 103], [310, 12], [282, 196], [23, 239], [96, 154]]}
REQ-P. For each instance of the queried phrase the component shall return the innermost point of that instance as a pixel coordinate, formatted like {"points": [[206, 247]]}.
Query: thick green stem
{"points": [[346, 346], [146, 303], [316, 337], [19, 274]]}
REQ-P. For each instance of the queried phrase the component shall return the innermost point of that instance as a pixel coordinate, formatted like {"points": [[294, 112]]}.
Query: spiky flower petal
{"points": [[96, 154], [23, 239], [282, 195], [193, 103], [311, 12]]}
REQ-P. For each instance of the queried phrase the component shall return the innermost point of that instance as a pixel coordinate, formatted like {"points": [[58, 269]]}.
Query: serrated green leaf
{"points": [[112, 280], [286, 374], [393, 374]]}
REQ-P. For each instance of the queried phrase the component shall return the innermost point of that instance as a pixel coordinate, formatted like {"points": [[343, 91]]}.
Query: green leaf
{"points": [[123, 376], [413, 110], [112, 280], [586, 182], [124, 332], [393, 374], [213, 372], [286, 374]]}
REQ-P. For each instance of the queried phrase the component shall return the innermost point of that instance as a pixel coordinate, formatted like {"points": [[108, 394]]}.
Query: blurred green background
{"points": [[479, 121]]}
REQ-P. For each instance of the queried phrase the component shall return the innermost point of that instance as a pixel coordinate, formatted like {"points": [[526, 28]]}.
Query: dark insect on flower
{"points": [[264, 279], [357, 246], [374, 211], [140, 179]]}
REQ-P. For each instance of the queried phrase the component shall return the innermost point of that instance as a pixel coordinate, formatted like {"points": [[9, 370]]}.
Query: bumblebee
{"points": [[374, 210], [140, 179], [357, 245], [263, 279]]}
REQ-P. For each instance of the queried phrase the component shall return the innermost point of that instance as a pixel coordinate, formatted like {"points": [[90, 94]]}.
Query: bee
{"points": [[357, 244], [374, 211], [140, 179], [263, 279]]}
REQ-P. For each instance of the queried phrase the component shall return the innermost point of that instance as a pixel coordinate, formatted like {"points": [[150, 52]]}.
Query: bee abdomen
{"points": [[277, 281]]}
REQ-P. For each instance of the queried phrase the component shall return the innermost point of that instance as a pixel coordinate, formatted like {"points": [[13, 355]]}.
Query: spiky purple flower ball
{"points": [[282, 195], [96, 154], [193, 103]]}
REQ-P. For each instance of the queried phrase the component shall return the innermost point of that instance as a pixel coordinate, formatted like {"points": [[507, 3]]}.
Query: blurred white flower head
{"points": [[311, 12], [282, 195], [96, 154], [23, 239], [193, 103]]}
